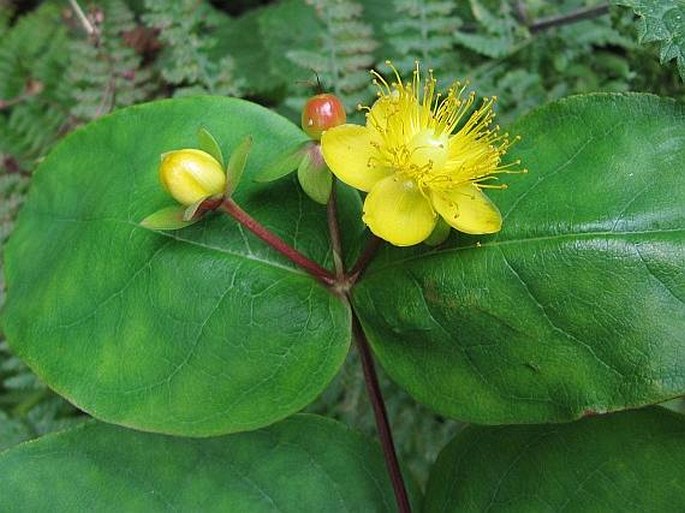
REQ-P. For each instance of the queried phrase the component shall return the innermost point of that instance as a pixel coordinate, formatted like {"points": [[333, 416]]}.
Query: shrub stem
{"points": [[340, 279], [373, 390]]}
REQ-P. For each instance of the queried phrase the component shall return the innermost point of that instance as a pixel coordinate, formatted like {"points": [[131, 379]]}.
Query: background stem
{"points": [[586, 13]]}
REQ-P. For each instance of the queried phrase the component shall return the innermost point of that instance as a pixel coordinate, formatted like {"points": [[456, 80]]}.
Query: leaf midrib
{"points": [[172, 235]]}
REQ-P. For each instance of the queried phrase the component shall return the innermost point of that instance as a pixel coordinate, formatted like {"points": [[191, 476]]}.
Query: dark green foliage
{"points": [[526, 68], [497, 34], [662, 21], [104, 71], [27, 407], [33, 59], [422, 30], [185, 62], [344, 53], [53, 77]]}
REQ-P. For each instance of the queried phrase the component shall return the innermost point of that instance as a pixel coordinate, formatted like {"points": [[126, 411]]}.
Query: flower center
{"points": [[427, 153]]}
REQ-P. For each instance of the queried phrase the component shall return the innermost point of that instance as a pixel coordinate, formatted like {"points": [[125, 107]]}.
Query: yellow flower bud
{"points": [[191, 175]]}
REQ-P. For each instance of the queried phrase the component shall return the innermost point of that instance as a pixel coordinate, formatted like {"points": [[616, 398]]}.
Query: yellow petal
{"points": [[468, 210], [396, 211], [347, 151]]}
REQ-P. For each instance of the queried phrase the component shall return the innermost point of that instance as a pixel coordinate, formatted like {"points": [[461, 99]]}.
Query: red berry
{"points": [[320, 113]]}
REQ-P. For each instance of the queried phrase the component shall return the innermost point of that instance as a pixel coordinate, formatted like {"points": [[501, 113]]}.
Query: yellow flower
{"points": [[191, 175], [414, 165]]}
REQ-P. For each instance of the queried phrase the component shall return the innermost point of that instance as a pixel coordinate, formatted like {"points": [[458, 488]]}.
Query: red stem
{"points": [[369, 251], [381, 416], [370, 377], [231, 208]]}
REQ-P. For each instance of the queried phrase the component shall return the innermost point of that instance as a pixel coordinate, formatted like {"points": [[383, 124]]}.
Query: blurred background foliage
{"points": [[64, 63]]}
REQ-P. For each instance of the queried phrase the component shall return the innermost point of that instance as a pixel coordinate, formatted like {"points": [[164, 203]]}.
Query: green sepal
{"points": [[190, 211], [207, 142], [314, 176], [168, 218], [439, 233], [285, 164], [236, 165]]}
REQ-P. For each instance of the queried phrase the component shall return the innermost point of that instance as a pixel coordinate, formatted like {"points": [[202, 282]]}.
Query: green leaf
{"points": [[662, 21], [284, 164], [198, 332], [305, 463], [168, 218], [630, 461], [577, 305], [315, 177], [209, 144], [236, 165]]}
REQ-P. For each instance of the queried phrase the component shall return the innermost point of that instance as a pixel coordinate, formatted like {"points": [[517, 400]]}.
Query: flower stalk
{"points": [[334, 231]]}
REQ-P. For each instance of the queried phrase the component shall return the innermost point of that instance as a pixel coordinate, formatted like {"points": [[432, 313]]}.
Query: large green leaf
{"points": [[197, 332], [305, 463], [625, 462], [576, 306]]}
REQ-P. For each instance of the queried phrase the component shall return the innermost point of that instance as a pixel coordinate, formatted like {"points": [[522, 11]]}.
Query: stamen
{"points": [[474, 152]]}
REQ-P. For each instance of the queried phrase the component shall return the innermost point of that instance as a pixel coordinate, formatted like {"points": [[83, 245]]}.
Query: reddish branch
{"points": [[231, 208], [340, 283]]}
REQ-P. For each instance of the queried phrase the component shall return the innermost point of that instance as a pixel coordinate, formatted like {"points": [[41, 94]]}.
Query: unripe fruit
{"points": [[191, 175], [320, 113]]}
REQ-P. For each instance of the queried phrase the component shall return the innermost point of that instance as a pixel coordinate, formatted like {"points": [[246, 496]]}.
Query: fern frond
{"points": [[13, 186], [107, 74], [33, 59], [346, 54], [185, 62], [52, 414], [423, 31], [497, 33]]}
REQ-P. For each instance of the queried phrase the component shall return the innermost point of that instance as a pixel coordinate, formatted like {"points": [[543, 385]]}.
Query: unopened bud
{"points": [[191, 175]]}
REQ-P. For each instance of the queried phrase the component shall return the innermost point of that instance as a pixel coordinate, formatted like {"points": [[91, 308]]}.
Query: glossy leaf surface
{"points": [[198, 332], [629, 461], [305, 463], [577, 305]]}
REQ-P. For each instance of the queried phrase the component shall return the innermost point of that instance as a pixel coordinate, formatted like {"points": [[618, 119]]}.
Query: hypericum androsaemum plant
{"points": [[557, 300]]}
